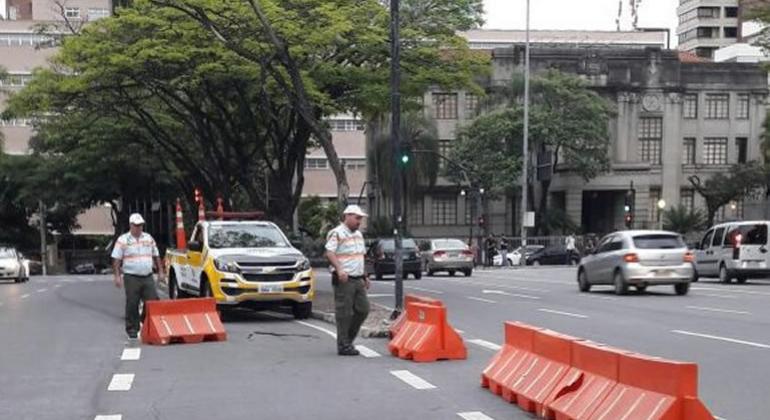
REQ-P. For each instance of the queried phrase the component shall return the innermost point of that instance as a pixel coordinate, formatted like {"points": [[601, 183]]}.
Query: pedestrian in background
{"points": [[569, 244], [345, 250], [504, 251], [133, 257]]}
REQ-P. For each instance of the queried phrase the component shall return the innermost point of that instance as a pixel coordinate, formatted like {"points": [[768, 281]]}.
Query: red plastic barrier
{"points": [[512, 358], [426, 336], [395, 327], [182, 321]]}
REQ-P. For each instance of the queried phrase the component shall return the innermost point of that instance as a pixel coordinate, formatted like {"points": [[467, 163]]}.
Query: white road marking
{"points": [[459, 331], [121, 382], [131, 354], [485, 344], [42, 290], [366, 351], [727, 311], [480, 299], [422, 289], [552, 311], [410, 378], [379, 295], [24, 296], [720, 289], [718, 296], [591, 295], [109, 417], [474, 415], [316, 327], [719, 418], [500, 292], [57, 286], [727, 339], [497, 285]]}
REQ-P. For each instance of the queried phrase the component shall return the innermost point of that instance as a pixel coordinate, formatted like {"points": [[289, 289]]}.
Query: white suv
{"points": [[735, 250]]}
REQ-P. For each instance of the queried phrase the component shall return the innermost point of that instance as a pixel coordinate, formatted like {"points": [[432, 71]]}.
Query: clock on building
{"points": [[651, 102]]}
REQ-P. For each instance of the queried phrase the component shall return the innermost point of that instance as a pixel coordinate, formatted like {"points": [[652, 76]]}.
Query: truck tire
{"points": [[205, 288], [302, 310], [173, 288]]}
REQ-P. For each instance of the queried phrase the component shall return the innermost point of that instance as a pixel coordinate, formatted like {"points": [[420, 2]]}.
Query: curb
{"points": [[366, 332]]}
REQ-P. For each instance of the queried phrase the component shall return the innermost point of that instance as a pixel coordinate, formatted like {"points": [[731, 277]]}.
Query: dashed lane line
{"points": [[422, 289], [474, 415], [726, 311], [42, 290], [726, 339], [413, 380], [485, 344], [721, 289], [478, 299], [24, 296], [109, 417], [365, 351], [570, 314], [131, 354], [718, 296], [121, 382]]}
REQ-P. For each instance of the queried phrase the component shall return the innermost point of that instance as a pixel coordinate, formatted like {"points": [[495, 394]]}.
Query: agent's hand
{"points": [[118, 280], [367, 282], [342, 277]]}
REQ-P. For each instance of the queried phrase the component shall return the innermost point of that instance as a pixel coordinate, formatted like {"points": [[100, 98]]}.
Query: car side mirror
{"points": [[194, 246]]}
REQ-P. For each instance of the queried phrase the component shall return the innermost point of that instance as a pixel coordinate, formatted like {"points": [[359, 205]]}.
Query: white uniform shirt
{"points": [[349, 247], [136, 254]]}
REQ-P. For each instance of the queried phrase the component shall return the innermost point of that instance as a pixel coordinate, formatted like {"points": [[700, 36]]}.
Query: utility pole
{"points": [[43, 245], [395, 144], [525, 148]]}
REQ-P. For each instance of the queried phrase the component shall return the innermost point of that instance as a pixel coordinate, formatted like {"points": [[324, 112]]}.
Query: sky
{"points": [[579, 14]]}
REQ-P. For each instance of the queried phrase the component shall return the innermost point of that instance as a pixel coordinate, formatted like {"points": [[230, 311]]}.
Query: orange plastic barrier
{"points": [[564, 378], [395, 327], [426, 336], [182, 321]]}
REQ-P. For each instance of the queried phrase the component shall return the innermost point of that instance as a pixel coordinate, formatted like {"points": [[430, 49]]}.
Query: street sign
{"points": [[529, 220]]}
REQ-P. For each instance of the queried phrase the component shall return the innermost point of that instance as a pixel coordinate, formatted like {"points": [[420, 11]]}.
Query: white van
{"points": [[734, 250]]}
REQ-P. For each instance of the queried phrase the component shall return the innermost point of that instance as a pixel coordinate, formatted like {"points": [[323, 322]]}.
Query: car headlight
{"points": [[226, 266], [304, 264]]}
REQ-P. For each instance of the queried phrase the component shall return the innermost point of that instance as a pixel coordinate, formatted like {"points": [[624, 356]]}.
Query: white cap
{"points": [[136, 219], [354, 209]]}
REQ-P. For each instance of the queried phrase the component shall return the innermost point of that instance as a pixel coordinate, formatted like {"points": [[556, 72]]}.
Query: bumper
{"points": [[451, 265], [637, 274], [748, 269], [232, 289]]}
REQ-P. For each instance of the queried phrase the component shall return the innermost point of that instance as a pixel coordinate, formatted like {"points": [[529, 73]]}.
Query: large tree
{"points": [[742, 181]]}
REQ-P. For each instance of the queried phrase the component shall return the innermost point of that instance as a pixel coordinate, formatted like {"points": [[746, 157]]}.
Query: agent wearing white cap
{"points": [[132, 261], [345, 249]]}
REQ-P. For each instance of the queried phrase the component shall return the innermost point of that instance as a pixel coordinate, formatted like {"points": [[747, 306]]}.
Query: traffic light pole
{"points": [[395, 144]]}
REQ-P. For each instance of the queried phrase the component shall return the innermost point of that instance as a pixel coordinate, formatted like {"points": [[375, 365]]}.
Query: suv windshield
{"points": [[449, 244], [658, 242], [389, 245], [7, 253], [246, 236]]}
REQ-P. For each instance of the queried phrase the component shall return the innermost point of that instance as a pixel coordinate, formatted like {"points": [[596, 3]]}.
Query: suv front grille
{"points": [[268, 277]]}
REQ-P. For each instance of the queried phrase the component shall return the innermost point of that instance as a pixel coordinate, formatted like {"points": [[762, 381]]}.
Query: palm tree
{"points": [[682, 220]]}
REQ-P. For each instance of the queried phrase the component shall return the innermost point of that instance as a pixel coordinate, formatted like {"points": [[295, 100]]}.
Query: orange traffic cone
{"points": [[181, 241], [201, 211], [220, 209]]}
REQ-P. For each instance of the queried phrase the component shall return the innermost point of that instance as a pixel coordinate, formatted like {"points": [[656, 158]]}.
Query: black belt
{"points": [[350, 277]]}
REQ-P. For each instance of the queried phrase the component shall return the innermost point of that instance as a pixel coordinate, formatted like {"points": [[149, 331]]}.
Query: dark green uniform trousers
{"points": [[137, 288], [351, 307]]}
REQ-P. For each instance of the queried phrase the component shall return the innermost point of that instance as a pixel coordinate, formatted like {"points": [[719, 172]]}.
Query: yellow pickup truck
{"points": [[242, 263]]}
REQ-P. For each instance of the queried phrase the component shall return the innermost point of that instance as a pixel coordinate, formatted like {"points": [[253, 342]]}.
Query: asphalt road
{"points": [[63, 345]]}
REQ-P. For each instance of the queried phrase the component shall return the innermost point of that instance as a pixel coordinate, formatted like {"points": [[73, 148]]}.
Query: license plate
{"points": [[663, 272], [270, 288]]}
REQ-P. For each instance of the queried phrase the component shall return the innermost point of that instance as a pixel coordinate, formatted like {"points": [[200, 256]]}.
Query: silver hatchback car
{"points": [[638, 258]]}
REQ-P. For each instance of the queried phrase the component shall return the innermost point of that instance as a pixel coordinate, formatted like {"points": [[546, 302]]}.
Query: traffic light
{"points": [[482, 221], [628, 209]]}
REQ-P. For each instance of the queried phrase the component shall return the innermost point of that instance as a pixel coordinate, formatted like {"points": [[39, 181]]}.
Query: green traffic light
{"points": [[405, 159]]}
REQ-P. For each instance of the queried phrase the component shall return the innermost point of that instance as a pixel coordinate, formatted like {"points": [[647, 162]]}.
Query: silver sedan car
{"points": [[638, 258], [450, 255]]}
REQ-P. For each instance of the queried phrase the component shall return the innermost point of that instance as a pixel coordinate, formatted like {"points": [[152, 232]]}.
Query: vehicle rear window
{"points": [[7, 253], [658, 242], [449, 244], [390, 245], [750, 234]]}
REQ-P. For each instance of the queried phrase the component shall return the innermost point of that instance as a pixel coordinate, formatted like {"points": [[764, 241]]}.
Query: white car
{"points": [[735, 250], [514, 257], [11, 266]]}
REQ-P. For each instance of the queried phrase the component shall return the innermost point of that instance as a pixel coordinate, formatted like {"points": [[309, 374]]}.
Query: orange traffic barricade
{"points": [[426, 336], [182, 321], [399, 322]]}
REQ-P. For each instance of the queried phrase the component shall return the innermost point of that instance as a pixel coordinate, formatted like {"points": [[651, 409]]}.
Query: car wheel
{"points": [[621, 287], [741, 280], [573, 262], [205, 289], [724, 276], [173, 289], [378, 275], [536, 263], [682, 288], [641, 288], [583, 283], [694, 275], [302, 310], [417, 275], [468, 272], [451, 273]]}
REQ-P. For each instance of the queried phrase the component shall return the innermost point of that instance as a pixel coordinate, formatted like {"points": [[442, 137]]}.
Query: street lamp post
{"points": [[395, 143], [524, 153], [661, 207]]}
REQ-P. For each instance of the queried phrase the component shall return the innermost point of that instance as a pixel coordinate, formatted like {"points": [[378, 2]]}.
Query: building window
{"points": [[22, 40], [354, 164], [444, 210], [471, 105], [688, 152], [16, 122], [741, 147], [316, 163], [97, 13], [72, 12], [708, 12], [731, 32], [444, 149], [445, 106], [705, 52], [690, 106], [653, 206], [742, 113], [707, 32], [15, 80], [650, 139], [346, 125], [687, 199], [715, 151], [416, 215], [731, 12], [717, 106]]}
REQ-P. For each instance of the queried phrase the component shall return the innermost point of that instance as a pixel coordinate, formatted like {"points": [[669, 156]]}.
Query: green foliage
{"points": [[682, 220], [557, 220], [380, 227], [317, 218], [743, 180]]}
